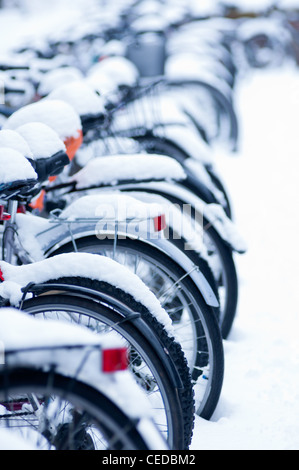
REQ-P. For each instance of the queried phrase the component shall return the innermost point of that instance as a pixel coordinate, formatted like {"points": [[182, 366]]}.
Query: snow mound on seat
{"points": [[81, 97], [42, 140], [14, 166], [13, 140], [58, 115]]}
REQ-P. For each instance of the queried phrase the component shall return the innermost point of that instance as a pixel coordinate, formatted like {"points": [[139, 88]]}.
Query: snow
{"points": [[14, 166], [288, 4], [99, 215], [178, 221], [37, 20], [10, 441], [109, 170], [13, 140], [228, 229], [58, 115], [268, 26], [42, 140], [16, 329], [81, 265], [188, 140], [117, 69], [149, 111], [101, 83], [82, 359], [114, 206], [29, 226], [80, 96], [258, 408], [150, 23], [58, 77], [185, 65], [259, 404], [109, 145]]}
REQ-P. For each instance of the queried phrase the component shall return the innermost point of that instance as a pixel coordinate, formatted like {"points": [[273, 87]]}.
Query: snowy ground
{"points": [[259, 406]]}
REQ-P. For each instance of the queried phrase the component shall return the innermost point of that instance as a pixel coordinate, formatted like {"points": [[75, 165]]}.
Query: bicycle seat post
{"points": [[9, 231]]}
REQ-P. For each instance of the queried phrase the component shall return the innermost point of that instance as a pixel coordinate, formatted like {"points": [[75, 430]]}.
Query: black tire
{"points": [[206, 342], [227, 280], [95, 418], [158, 145], [178, 402], [218, 183]]}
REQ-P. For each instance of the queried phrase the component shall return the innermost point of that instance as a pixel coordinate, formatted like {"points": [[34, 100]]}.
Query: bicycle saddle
{"points": [[40, 145], [17, 176], [118, 70], [86, 102], [48, 152]]}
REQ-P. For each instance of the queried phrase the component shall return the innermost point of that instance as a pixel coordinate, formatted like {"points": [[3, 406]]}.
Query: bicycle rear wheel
{"points": [[173, 403], [70, 415], [195, 323]]}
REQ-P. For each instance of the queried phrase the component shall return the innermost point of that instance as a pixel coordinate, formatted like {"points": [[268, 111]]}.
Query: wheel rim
{"points": [[140, 364], [62, 420], [187, 335]]}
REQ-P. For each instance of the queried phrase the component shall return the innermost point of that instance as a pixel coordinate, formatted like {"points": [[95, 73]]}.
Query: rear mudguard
{"points": [[119, 170], [213, 213], [112, 169], [80, 265], [21, 282], [50, 238], [116, 306], [162, 245], [197, 169]]}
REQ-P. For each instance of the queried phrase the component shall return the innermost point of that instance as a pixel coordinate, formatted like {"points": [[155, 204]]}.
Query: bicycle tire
{"points": [[227, 281], [179, 403], [95, 418], [206, 351], [162, 146]]}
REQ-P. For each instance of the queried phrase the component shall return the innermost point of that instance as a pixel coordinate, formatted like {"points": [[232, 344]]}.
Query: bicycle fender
{"points": [[189, 267], [115, 169], [212, 214], [116, 306], [81, 265], [161, 244]]}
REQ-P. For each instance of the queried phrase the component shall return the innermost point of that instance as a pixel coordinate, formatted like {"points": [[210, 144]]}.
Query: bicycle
{"points": [[220, 236], [99, 292], [168, 273], [226, 238], [64, 388]]}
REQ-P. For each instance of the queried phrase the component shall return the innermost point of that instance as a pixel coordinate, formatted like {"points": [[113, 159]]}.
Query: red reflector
{"points": [[1, 275], [4, 215], [115, 360], [160, 223], [103, 57], [21, 209]]}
